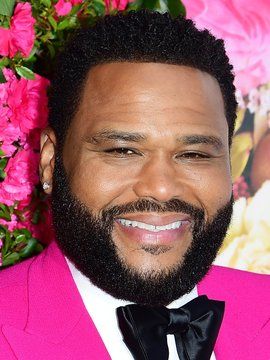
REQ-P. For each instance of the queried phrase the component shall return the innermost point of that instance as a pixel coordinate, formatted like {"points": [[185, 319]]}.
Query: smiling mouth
{"points": [[148, 234], [150, 227]]}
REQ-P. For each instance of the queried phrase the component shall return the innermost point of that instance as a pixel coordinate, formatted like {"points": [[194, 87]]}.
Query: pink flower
{"points": [[24, 203], [23, 111], [12, 224], [21, 34], [9, 134], [4, 93], [4, 109], [4, 41], [64, 7], [9, 75], [8, 131], [1, 260], [28, 103], [116, 4], [240, 188], [246, 31], [76, 2], [22, 176]]}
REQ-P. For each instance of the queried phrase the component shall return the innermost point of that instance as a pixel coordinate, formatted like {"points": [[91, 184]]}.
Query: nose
{"points": [[158, 179]]}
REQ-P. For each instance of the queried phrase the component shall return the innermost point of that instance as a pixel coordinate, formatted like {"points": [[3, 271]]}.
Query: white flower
{"points": [[258, 210], [247, 245]]}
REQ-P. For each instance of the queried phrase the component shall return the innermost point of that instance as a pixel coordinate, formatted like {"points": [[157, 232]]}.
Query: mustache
{"points": [[146, 205]]}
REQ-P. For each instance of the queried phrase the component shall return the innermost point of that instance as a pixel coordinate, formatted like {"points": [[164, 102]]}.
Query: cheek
{"points": [[214, 190], [98, 184]]}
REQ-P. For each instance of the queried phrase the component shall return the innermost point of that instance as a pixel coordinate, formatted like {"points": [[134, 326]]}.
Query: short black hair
{"points": [[136, 36]]}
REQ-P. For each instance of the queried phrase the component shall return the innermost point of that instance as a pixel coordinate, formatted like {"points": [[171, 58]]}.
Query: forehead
{"points": [[126, 94]]}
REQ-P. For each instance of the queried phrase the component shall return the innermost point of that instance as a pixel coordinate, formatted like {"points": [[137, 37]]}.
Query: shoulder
{"points": [[32, 276], [227, 283], [245, 327], [14, 275], [232, 277], [235, 275], [13, 293]]}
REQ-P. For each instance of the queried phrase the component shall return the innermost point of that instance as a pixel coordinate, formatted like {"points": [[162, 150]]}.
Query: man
{"points": [[136, 159]]}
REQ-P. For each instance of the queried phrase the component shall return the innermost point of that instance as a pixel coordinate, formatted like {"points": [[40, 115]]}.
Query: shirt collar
{"points": [[102, 309]]}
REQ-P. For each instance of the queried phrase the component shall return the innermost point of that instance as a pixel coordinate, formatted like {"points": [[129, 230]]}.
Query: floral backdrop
{"points": [[31, 35], [245, 27]]}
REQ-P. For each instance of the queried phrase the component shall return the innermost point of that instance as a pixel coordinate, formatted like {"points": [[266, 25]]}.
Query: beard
{"points": [[87, 241]]}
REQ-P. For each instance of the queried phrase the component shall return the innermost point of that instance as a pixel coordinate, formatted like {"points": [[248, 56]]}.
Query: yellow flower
{"points": [[247, 245]]}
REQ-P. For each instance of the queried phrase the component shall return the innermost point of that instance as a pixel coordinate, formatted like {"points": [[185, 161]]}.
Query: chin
{"points": [[152, 264]]}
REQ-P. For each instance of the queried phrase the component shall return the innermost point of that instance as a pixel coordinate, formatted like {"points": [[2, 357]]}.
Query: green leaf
{"points": [[25, 232], [4, 62], [134, 5], [4, 207], [51, 50], [11, 259], [4, 212], [6, 240], [38, 248], [2, 77], [20, 238], [32, 53], [150, 4], [75, 9], [2, 152], [5, 216], [6, 7], [99, 7], [47, 36], [175, 7], [25, 72], [29, 249], [53, 22], [46, 3], [3, 231], [2, 175], [3, 163], [63, 24]]}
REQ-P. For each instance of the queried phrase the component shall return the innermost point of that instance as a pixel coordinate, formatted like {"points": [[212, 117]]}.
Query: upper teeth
{"points": [[141, 225]]}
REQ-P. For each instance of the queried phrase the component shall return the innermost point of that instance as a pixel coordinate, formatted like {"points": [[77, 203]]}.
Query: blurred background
{"points": [[245, 27]]}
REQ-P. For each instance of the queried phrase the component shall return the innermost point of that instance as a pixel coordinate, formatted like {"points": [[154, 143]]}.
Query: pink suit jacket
{"points": [[42, 315]]}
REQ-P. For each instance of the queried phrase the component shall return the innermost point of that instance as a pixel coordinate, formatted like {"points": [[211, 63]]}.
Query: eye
{"points": [[121, 152], [194, 155]]}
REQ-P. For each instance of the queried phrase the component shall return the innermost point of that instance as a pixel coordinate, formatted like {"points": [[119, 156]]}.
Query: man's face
{"points": [[150, 142]]}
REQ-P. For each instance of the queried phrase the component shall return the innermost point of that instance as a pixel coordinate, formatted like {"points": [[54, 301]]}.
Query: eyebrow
{"points": [[211, 140], [106, 135]]}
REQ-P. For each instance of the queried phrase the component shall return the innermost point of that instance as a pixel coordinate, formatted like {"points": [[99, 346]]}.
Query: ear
{"points": [[47, 157]]}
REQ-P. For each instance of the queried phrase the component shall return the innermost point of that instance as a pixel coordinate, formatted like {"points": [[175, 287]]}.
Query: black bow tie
{"points": [[195, 327]]}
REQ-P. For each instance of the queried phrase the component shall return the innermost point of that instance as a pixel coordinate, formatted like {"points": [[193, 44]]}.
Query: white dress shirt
{"points": [[102, 309]]}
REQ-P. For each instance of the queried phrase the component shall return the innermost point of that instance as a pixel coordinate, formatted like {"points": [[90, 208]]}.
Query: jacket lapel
{"points": [[245, 330], [67, 331]]}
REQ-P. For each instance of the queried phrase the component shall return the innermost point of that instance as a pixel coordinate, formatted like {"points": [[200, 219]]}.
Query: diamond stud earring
{"points": [[46, 185]]}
